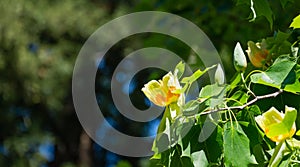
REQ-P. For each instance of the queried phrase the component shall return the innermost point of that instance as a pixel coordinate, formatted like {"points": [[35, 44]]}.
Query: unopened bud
{"points": [[239, 58]]}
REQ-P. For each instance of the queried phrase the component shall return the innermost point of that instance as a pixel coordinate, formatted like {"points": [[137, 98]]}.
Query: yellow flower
{"points": [[257, 53], [272, 122], [162, 92]]}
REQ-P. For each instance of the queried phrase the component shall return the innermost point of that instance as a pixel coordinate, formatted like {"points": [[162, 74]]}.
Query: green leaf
{"points": [[239, 98], [296, 22], [262, 8], [214, 93], [155, 163], [284, 2], [175, 158], [254, 110], [255, 137], [191, 138], [190, 106], [298, 133], [213, 145], [275, 75], [241, 2], [123, 163], [180, 128], [162, 140], [164, 123], [236, 146], [186, 162], [281, 37], [293, 143], [211, 91], [186, 151], [286, 160], [285, 126], [197, 74], [180, 67], [235, 81], [161, 143], [199, 159], [179, 161], [295, 87], [279, 44], [259, 8]]}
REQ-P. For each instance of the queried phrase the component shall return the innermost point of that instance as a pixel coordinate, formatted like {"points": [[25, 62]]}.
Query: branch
{"points": [[85, 148], [243, 106]]}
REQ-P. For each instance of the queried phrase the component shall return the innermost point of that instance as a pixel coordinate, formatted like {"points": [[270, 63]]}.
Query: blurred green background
{"points": [[39, 42]]}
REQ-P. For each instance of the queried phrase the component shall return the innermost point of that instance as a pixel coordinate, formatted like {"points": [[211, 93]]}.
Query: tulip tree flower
{"points": [[162, 92], [276, 125], [257, 53]]}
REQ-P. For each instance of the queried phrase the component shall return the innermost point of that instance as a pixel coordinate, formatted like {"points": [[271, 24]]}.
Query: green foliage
{"points": [[279, 75], [235, 112], [236, 143], [39, 42], [285, 2], [259, 8], [296, 22], [199, 159]]}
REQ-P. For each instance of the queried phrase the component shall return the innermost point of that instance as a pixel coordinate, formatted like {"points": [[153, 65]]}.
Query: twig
{"points": [[243, 106]]}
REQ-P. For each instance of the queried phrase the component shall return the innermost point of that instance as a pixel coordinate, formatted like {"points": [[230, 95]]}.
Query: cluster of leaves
{"points": [[220, 127]]}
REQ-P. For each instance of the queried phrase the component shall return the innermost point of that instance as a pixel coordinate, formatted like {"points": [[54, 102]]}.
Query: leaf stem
{"points": [[244, 82], [254, 71]]}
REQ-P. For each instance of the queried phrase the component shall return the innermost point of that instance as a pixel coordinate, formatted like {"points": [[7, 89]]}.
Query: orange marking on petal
{"points": [[160, 99]]}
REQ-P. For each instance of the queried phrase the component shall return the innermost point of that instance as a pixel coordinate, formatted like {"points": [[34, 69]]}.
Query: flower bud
{"points": [[219, 75], [257, 53], [239, 58]]}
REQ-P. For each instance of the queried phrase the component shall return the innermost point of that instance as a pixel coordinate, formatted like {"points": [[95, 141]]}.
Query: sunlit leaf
{"points": [[186, 151], [277, 74], [296, 22], [236, 146], [199, 159], [180, 67], [211, 90], [197, 74], [239, 98], [190, 106], [193, 77], [295, 87], [235, 81]]}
